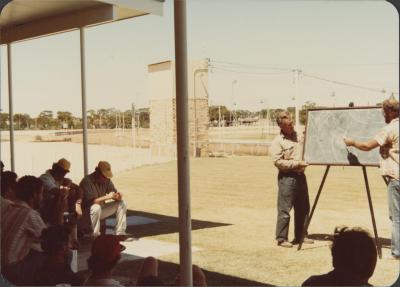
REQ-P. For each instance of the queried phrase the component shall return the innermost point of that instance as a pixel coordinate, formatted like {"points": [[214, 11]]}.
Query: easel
{"points": [[371, 209]]}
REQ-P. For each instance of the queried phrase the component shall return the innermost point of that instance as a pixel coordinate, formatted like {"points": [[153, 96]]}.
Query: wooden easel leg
{"points": [[371, 209], [308, 218]]}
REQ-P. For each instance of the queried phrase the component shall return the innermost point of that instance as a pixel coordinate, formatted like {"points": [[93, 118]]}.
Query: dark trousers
{"points": [[293, 192], [23, 273]]}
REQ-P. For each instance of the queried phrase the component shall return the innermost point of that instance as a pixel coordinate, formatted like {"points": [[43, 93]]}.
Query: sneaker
{"points": [[305, 241], [285, 243]]}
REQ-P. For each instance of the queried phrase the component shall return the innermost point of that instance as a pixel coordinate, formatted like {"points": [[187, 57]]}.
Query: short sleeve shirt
{"points": [[93, 189], [388, 140], [20, 230]]}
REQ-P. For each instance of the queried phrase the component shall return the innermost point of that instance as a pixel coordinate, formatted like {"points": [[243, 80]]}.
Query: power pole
{"points": [[133, 126], [123, 122], [296, 98]]}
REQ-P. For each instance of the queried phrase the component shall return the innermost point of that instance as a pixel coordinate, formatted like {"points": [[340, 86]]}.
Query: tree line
{"points": [[102, 118], [113, 118], [228, 116]]}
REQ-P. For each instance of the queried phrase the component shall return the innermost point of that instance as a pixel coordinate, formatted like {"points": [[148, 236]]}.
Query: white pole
{"points": [[10, 108], [185, 242], [84, 115]]}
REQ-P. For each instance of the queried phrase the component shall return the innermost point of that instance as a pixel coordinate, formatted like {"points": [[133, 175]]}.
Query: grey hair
{"points": [[280, 116]]}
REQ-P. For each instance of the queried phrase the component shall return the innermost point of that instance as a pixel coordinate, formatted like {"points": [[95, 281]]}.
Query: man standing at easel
{"points": [[388, 141], [286, 151]]}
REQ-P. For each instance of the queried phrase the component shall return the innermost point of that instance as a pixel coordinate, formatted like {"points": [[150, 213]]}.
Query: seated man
{"points": [[55, 185], [353, 258], [21, 227], [101, 199]]}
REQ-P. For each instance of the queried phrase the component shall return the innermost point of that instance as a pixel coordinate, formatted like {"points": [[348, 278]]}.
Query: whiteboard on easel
{"points": [[326, 128]]}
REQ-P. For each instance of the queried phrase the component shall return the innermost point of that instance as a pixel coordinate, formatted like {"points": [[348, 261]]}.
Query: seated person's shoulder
{"points": [[320, 280], [86, 180]]}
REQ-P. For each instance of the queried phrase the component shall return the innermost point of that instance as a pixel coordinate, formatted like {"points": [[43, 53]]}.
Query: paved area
{"points": [[135, 250]]}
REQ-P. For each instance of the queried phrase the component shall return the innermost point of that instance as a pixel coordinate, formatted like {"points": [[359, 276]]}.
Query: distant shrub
{"points": [[38, 138]]}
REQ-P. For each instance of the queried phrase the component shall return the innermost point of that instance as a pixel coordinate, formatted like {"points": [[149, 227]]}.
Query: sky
{"points": [[253, 47]]}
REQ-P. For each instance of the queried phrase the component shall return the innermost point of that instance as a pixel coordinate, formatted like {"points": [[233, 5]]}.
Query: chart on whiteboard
{"points": [[326, 129]]}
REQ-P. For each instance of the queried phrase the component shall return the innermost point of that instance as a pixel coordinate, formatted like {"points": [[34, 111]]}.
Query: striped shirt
{"points": [[21, 228]]}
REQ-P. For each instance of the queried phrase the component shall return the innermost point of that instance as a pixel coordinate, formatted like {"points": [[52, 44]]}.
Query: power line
{"points": [[249, 66], [346, 84], [232, 67], [248, 72], [351, 65]]}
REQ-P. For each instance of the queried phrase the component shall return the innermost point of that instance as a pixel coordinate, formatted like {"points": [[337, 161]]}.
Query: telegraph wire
{"points": [[346, 84], [238, 68], [248, 72]]}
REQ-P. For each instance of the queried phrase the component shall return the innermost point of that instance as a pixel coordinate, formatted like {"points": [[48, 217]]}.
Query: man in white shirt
{"points": [[388, 142]]}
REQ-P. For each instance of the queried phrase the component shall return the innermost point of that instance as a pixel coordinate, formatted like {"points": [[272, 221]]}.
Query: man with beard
{"points": [[292, 184], [21, 228], [388, 141]]}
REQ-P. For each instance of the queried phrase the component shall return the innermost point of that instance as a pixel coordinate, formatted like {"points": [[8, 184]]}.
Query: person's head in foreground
{"points": [[55, 243], [354, 250], [8, 183], [390, 109], [30, 190], [106, 252], [354, 258]]}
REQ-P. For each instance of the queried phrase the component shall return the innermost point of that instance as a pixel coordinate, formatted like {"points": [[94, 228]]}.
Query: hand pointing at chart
{"points": [[348, 141]]}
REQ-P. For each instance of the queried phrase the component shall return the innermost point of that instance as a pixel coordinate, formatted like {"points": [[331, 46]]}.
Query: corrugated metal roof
{"points": [[25, 19]]}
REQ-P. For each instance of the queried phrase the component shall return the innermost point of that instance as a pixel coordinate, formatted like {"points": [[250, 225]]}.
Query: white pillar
{"points": [[84, 116], [185, 242], [10, 108]]}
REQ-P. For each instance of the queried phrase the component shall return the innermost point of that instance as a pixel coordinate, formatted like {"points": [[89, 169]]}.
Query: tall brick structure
{"points": [[161, 91]]}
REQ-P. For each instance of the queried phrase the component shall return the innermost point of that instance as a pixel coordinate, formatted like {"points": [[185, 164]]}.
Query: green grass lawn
{"points": [[240, 193]]}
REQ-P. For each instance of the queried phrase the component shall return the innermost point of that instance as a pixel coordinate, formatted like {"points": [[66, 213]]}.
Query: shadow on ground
{"points": [[165, 224], [384, 242]]}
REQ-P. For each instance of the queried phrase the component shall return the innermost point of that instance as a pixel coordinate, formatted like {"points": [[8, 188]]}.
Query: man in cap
{"points": [[58, 188], [101, 199]]}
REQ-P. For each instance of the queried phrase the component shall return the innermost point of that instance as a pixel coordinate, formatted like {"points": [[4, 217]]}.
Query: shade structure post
{"points": [[185, 244], [10, 107], [83, 90]]}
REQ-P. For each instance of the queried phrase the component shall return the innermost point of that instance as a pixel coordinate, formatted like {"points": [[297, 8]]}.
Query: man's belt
{"points": [[291, 173]]}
